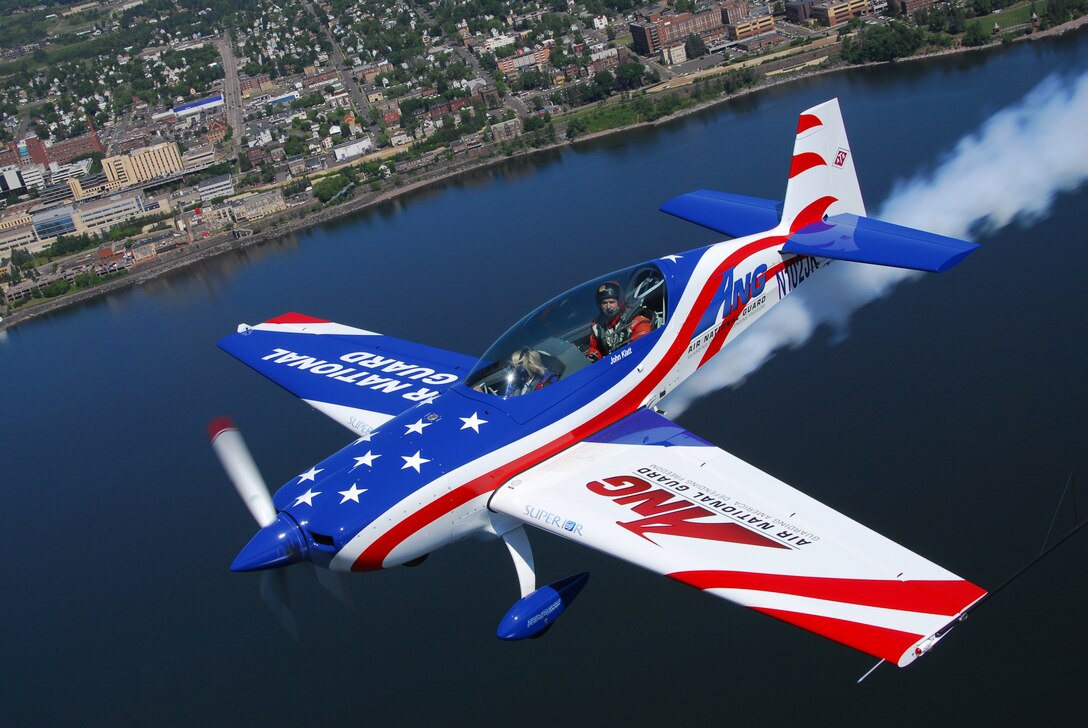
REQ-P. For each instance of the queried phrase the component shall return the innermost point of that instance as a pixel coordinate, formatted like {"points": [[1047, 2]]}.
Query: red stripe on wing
{"points": [[945, 597], [887, 644]]}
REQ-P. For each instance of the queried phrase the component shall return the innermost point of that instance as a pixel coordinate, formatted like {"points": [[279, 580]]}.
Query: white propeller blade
{"points": [[234, 455]]}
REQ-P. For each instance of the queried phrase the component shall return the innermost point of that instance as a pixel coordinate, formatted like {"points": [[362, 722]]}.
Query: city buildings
{"points": [[657, 31], [837, 12], [258, 205], [143, 164], [525, 60], [752, 27], [35, 231], [221, 186]]}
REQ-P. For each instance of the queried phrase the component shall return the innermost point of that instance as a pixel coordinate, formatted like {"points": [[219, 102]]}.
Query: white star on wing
{"points": [[307, 497], [417, 427], [309, 475], [367, 437], [367, 460], [473, 422], [414, 461], [673, 258], [352, 493]]}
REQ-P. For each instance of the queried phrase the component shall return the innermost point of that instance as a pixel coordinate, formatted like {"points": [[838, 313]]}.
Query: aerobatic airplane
{"points": [[555, 426]]}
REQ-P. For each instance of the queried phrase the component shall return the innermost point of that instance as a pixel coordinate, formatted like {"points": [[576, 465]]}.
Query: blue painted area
{"points": [[210, 101], [348, 490], [646, 427], [280, 543], [865, 240], [286, 98], [729, 214], [376, 373], [356, 485], [534, 613]]}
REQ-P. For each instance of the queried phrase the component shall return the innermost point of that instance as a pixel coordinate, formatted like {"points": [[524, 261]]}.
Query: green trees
{"points": [[883, 43], [974, 35], [294, 146], [602, 85], [629, 76], [66, 244], [576, 127], [56, 288], [1057, 12], [694, 46], [530, 80], [330, 187]]}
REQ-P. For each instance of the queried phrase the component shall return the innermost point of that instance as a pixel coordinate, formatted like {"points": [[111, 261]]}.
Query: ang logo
{"points": [[665, 513], [739, 289]]}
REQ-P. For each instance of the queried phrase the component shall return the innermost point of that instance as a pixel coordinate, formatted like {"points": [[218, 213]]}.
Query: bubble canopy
{"points": [[551, 343]]}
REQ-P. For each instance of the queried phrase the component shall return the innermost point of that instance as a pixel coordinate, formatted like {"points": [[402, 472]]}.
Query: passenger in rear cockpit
{"points": [[526, 373]]}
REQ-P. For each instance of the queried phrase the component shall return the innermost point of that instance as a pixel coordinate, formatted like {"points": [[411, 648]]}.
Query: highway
{"points": [[232, 92]]}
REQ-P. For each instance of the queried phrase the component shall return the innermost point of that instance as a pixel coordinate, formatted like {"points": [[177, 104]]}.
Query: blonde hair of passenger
{"points": [[529, 359]]}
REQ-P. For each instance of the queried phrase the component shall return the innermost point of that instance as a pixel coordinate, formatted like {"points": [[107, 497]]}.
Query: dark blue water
{"points": [[948, 419]]}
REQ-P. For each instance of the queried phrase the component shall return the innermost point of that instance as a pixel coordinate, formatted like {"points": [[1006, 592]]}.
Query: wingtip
{"points": [[296, 318]]}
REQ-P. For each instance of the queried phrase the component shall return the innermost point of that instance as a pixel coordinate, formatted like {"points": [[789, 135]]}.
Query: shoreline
{"points": [[223, 243]]}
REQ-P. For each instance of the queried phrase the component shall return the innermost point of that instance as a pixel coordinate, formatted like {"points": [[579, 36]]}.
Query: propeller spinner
{"points": [[280, 541]]}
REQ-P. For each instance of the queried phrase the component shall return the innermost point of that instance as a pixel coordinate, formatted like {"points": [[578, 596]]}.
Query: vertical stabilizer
{"points": [[822, 177]]}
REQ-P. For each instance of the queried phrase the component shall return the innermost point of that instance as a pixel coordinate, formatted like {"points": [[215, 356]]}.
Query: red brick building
{"points": [[33, 151], [67, 150]]}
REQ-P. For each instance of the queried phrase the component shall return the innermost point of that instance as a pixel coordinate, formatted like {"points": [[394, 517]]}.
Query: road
{"points": [[350, 84], [232, 92]]}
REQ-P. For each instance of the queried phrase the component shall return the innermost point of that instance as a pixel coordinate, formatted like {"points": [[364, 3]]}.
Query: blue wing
{"points": [[729, 214], [358, 378], [867, 240]]}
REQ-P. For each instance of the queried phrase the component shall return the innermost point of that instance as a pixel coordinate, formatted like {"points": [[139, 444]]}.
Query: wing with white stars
{"points": [[356, 377]]}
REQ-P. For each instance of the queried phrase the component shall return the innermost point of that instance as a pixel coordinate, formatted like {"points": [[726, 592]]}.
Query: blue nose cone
{"points": [[278, 544]]}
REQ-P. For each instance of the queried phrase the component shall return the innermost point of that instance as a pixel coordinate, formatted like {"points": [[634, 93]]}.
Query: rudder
{"points": [[822, 177]]}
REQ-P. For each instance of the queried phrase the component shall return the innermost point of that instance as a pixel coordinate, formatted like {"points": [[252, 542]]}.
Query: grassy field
{"points": [[1017, 14]]}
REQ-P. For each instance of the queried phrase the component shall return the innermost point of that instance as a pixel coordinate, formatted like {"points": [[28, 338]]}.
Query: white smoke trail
{"points": [[1010, 170]]}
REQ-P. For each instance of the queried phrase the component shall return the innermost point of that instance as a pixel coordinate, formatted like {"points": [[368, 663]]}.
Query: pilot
{"points": [[526, 373], [617, 324]]}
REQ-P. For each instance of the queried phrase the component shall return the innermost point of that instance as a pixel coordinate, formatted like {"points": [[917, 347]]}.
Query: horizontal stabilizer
{"points": [[865, 240], [733, 215]]}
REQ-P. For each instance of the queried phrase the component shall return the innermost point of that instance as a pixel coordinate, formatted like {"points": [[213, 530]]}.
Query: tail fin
{"points": [[822, 177], [823, 215]]}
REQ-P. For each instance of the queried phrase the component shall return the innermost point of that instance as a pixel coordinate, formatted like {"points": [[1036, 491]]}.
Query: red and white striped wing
{"points": [[651, 493]]}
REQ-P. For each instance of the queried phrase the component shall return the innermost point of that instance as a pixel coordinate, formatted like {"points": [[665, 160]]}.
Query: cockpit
{"points": [[554, 341]]}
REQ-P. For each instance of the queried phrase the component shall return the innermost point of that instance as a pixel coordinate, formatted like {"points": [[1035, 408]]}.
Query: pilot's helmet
{"points": [[609, 289]]}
